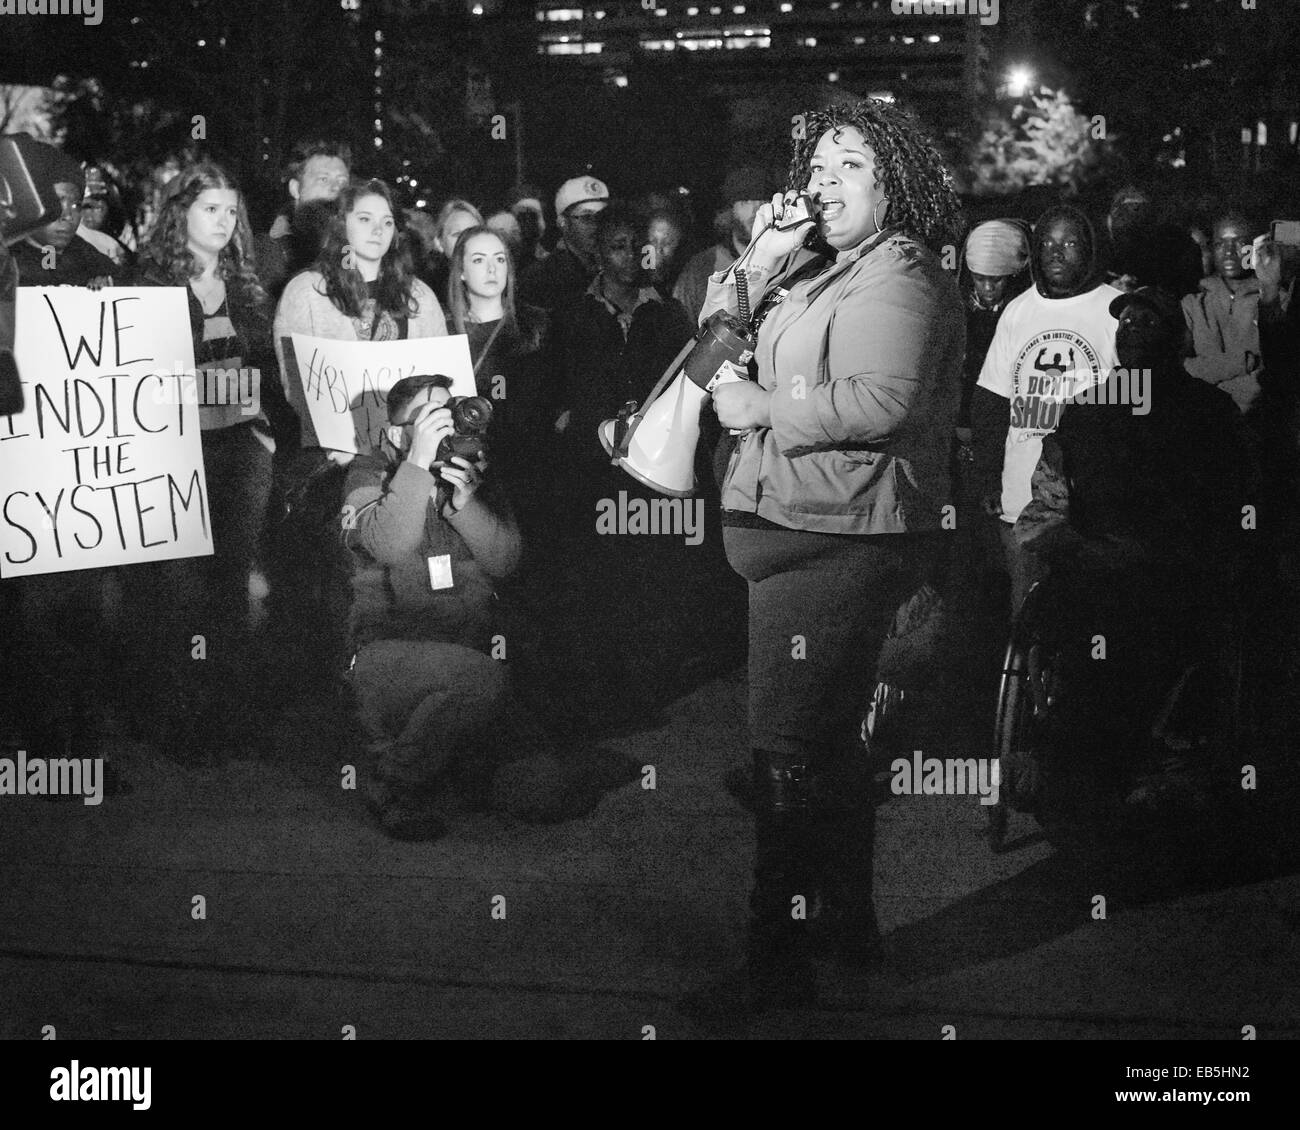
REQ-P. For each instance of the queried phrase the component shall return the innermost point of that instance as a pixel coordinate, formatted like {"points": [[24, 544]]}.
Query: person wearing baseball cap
{"points": [[569, 269], [1136, 513], [746, 189]]}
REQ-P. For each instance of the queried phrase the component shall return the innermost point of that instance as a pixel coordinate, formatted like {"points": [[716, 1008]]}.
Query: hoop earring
{"points": [[876, 209]]}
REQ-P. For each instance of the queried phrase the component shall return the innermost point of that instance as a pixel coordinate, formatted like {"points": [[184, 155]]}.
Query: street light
{"points": [[1019, 80]]}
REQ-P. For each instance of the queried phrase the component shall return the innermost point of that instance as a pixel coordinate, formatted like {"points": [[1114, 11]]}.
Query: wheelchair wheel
{"points": [[1027, 695]]}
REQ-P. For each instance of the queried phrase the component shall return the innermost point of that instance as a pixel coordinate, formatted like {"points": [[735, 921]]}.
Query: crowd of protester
{"points": [[572, 312]]}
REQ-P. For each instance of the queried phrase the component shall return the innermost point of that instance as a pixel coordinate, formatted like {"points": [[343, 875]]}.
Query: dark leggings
{"points": [[819, 608]]}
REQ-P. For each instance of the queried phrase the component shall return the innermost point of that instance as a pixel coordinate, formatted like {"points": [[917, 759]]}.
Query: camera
{"points": [[470, 416]]}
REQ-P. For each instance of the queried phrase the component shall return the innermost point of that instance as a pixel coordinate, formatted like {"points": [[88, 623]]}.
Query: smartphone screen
{"points": [[1285, 231]]}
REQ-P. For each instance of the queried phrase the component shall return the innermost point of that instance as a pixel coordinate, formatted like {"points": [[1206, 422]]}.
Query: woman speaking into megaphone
{"points": [[832, 503]]}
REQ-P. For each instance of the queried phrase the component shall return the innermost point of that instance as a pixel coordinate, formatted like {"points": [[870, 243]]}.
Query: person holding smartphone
{"points": [[832, 507]]}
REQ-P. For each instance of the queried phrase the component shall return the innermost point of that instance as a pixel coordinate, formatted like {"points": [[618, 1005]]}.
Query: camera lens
{"points": [[472, 414]]}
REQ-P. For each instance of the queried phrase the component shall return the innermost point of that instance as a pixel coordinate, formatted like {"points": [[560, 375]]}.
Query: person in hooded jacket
{"points": [[1052, 341], [1224, 316]]}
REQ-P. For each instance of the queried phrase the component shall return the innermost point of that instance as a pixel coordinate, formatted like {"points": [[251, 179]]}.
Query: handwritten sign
{"points": [[345, 383], [104, 465]]}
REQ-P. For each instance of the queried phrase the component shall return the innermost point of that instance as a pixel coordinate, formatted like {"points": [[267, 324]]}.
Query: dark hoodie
{"points": [[1038, 340]]}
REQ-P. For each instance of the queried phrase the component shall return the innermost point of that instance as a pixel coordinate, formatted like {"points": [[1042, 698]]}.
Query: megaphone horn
{"points": [[657, 447]]}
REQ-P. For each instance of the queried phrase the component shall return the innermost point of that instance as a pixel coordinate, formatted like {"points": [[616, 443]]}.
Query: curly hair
{"points": [[344, 285], [907, 165], [168, 255]]}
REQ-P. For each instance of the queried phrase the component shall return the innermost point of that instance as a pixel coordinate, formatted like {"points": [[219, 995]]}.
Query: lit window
{"points": [[555, 14], [908, 40], [692, 11], [620, 80], [811, 41], [834, 76], [859, 40], [478, 9], [835, 7], [592, 48], [739, 9], [932, 39], [348, 6], [659, 45], [740, 42], [787, 7], [564, 48], [599, 13]]}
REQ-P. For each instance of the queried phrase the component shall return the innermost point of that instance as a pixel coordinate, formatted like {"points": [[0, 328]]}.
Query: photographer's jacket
{"points": [[393, 531]]}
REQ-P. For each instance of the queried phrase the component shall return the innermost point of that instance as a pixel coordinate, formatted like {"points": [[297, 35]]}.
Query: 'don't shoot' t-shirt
{"points": [[1044, 351]]}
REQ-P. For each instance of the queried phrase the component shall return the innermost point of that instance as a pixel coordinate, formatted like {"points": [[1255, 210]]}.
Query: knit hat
{"points": [[997, 247]]}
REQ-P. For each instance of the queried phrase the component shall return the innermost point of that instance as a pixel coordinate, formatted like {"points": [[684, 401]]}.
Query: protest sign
{"points": [[345, 383], [104, 464]]}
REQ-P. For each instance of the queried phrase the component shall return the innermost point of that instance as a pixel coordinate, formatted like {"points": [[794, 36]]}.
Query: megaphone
{"points": [[656, 445]]}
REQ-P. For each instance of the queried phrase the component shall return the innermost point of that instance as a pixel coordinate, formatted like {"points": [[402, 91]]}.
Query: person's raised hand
{"points": [[427, 433], [780, 227], [1268, 270]]}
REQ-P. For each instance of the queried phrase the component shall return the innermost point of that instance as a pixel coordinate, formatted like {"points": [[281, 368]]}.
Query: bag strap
{"points": [[487, 346]]}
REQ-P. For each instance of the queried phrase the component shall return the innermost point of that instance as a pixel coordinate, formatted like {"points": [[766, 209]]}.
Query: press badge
{"points": [[440, 572]]}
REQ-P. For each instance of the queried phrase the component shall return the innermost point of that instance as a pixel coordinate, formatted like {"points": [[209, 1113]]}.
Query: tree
{"points": [[1046, 143]]}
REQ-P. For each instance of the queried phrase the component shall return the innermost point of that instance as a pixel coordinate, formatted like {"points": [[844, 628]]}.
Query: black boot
{"points": [[842, 835], [778, 971]]}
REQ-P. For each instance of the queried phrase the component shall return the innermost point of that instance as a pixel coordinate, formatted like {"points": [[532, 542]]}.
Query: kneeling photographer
{"points": [[427, 539]]}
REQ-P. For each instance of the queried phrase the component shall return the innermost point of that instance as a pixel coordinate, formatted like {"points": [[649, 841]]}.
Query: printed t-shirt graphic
{"points": [[1045, 350]]}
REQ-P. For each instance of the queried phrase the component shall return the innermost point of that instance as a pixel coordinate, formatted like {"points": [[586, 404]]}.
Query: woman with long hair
{"points": [[833, 503], [361, 288], [202, 242], [509, 347]]}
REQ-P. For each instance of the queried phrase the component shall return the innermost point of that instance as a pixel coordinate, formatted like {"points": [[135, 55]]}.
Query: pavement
{"points": [[314, 921]]}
